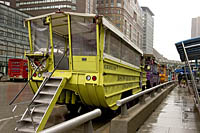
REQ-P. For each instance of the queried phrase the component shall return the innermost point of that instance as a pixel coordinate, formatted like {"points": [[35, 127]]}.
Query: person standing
{"points": [[180, 76]]}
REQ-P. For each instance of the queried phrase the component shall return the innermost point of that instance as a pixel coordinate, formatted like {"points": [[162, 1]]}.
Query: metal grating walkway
{"points": [[176, 114]]}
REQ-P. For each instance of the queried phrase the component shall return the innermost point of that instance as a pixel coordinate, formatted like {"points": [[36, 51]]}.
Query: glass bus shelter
{"points": [[189, 50]]}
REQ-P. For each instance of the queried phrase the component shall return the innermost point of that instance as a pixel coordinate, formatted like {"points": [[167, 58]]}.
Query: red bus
{"points": [[17, 69]]}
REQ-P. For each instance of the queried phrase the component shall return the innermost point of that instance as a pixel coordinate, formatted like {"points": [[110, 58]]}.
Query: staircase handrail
{"points": [[40, 88], [13, 100], [46, 79]]}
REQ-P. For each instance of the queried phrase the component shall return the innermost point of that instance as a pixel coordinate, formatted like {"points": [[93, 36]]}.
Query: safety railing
{"points": [[38, 91], [141, 95], [45, 80], [85, 119], [13, 100]]}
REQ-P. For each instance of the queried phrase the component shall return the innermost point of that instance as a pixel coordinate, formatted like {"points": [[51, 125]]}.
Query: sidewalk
{"points": [[176, 114]]}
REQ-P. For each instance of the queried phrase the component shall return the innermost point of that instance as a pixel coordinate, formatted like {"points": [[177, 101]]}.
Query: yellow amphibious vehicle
{"points": [[75, 58]]}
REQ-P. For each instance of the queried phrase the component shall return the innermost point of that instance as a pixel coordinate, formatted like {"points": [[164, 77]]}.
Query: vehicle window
{"points": [[120, 49], [40, 36], [155, 69], [112, 45], [83, 36]]}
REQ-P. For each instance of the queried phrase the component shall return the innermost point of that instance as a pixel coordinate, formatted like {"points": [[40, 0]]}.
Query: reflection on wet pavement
{"points": [[176, 114]]}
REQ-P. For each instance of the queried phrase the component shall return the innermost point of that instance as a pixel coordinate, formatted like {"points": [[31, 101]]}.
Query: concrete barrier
{"points": [[138, 114]]}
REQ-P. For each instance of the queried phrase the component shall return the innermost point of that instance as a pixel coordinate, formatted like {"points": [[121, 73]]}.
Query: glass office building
{"points": [[148, 29], [13, 35], [38, 7]]}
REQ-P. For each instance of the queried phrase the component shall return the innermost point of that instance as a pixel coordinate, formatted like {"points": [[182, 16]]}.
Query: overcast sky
{"points": [[172, 23]]}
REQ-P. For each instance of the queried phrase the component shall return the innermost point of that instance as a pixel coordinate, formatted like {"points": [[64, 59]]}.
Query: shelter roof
{"points": [[192, 47]]}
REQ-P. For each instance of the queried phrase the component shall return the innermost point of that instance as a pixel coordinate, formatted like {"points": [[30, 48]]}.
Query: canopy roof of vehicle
{"points": [[192, 47], [62, 20]]}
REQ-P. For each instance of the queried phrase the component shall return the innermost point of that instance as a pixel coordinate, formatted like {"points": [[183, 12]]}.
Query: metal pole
{"points": [[132, 97], [187, 82], [75, 122], [152, 94], [159, 89], [192, 77], [142, 99]]}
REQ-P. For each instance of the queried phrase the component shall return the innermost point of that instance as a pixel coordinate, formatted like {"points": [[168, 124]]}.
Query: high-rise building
{"points": [[38, 7], [6, 2], [195, 31], [124, 14], [13, 35], [148, 28]]}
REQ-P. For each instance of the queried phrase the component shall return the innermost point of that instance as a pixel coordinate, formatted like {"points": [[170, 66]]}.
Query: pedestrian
{"points": [[180, 76]]}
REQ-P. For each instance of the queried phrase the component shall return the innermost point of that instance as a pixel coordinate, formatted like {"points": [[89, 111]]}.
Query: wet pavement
{"points": [[176, 114], [7, 92]]}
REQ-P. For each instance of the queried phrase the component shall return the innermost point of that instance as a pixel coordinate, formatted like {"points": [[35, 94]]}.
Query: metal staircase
{"points": [[41, 106]]}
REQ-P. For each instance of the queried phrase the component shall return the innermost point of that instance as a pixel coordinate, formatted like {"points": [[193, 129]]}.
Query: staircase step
{"points": [[49, 90], [41, 108], [36, 117], [24, 126], [42, 101], [46, 99], [52, 84], [26, 129], [35, 120], [57, 78], [40, 105]]}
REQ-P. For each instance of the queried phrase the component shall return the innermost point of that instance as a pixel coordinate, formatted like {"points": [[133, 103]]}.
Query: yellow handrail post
{"points": [[70, 43], [29, 35], [51, 43]]}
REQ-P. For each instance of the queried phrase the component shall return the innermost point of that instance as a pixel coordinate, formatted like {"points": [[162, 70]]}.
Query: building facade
{"points": [[5, 2], [38, 7], [148, 30], [124, 14], [195, 30], [13, 35]]}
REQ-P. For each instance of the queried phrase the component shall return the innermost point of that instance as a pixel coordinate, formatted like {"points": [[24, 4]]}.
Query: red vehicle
{"points": [[17, 69]]}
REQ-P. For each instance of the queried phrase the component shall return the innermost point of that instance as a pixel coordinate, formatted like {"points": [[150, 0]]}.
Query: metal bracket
{"points": [[88, 128], [124, 110]]}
